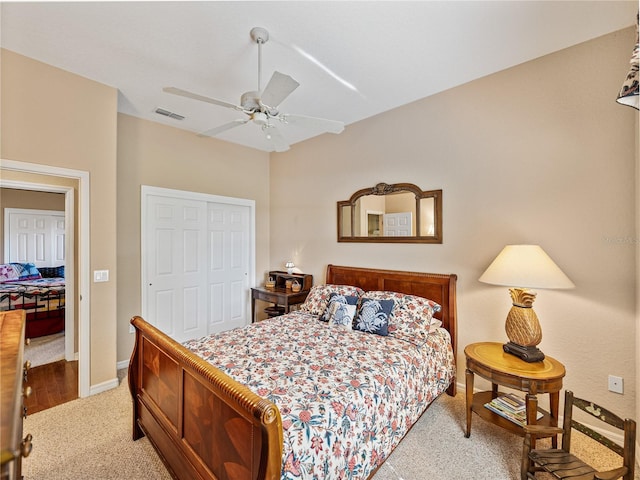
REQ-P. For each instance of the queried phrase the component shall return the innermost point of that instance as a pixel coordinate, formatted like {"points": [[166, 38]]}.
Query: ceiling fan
{"points": [[262, 108]]}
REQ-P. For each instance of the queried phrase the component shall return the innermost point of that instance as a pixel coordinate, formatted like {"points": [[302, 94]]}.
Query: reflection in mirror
{"points": [[427, 223], [398, 213]]}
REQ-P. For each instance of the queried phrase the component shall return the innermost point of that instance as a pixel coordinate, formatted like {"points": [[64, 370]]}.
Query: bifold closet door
{"points": [[176, 261], [196, 265], [228, 283]]}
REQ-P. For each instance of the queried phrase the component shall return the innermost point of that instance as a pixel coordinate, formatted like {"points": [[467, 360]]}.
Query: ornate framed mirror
{"points": [[391, 213]]}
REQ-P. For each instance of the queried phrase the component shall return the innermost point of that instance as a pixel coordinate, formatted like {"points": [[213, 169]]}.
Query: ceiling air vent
{"points": [[167, 113]]}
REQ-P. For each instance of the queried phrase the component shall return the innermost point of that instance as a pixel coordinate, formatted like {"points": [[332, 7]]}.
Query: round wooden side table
{"points": [[492, 363]]}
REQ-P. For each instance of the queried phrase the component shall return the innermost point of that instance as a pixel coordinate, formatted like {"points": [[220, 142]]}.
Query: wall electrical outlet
{"points": [[616, 384]]}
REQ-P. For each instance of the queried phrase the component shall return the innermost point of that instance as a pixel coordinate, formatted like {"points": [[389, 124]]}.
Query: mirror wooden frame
{"points": [[388, 189]]}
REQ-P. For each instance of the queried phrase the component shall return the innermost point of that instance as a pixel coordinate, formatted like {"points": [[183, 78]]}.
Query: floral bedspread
{"points": [[346, 397]]}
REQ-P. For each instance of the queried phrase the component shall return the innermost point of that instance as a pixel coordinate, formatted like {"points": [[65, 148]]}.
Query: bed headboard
{"points": [[440, 288]]}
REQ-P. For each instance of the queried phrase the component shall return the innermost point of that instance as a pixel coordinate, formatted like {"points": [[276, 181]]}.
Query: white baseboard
{"points": [[104, 386], [109, 384], [72, 358]]}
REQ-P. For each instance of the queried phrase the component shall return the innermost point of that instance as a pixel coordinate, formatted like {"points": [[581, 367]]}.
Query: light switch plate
{"points": [[100, 276]]}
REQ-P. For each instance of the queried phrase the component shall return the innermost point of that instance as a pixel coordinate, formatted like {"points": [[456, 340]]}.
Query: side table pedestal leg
{"points": [[554, 404], [469, 399], [532, 414]]}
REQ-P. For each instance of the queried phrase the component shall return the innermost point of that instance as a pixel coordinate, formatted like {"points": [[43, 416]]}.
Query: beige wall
{"points": [[83, 135], [53, 117], [14, 198], [160, 156], [539, 153], [637, 238]]}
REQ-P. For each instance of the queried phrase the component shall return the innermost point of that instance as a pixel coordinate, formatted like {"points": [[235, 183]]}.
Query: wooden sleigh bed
{"points": [[206, 425]]}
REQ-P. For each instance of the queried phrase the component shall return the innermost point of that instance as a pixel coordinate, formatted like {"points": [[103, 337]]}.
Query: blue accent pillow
{"points": [[373, 316], [340, 299], [24, 271], [52, 272], [341, 314]]}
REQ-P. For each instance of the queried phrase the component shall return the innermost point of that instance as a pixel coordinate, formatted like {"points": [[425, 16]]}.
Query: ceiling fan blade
{"points": [[276, 138], [279, 87], [330, 126], [223, 128], [195, 96]]}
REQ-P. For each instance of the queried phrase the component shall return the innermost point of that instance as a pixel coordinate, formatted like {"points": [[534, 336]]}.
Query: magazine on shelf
{"points": [[512, 402], [511, 407]]}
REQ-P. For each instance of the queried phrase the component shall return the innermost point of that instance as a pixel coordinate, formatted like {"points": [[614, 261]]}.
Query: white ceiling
{"points": [[370, 56]]}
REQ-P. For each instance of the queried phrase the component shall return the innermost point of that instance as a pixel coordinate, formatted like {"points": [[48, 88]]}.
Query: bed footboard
{"points": [[203, 424]]}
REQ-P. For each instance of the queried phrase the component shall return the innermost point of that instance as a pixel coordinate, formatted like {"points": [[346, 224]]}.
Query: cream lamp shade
{"points": [[526, 266], [522, 267]]}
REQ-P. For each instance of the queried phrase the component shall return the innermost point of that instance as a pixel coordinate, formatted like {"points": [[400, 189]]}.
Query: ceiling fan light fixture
{"points": [[261, 119], [261, 106]]}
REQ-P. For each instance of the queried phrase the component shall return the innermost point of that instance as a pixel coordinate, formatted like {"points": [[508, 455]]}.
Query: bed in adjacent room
{"points": [[324, 392], [39, 291]]}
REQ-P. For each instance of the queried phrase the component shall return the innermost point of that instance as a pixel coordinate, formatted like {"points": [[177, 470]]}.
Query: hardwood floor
{"points": [[51, 385]]}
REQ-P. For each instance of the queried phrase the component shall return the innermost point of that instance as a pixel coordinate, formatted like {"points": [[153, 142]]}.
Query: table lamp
{"points": [[522, 267], [630, 91]]}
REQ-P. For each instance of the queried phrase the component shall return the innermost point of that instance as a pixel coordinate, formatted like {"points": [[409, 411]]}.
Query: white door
{"points": [[197, 262], [228, 274], [35, 236], [176, 253], [397, 224]]}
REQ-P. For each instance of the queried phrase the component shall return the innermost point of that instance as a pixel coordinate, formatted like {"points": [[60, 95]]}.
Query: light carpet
{"points": [[43, 350], [90, 438]]}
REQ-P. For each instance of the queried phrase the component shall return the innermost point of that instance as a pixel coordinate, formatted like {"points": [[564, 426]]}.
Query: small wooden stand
{"points": [[491, 362], [280, 295], [306, 281]]}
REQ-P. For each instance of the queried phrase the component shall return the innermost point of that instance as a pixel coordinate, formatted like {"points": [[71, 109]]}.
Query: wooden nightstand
{"points": [[279, 295], [489, 360]]}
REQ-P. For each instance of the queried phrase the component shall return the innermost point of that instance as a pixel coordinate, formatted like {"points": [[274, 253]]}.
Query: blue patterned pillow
{"points": [[412, 315], [341, 314], [52, 272], [17, 272], [373, 316], [337, 298]]}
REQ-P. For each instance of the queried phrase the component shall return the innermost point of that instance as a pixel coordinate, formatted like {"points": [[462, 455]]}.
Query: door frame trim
{"points": [[147, 190], [82, 284]]}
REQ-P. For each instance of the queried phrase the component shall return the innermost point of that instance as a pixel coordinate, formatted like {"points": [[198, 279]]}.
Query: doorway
{"points": [[67, 181], [36, 236]]}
